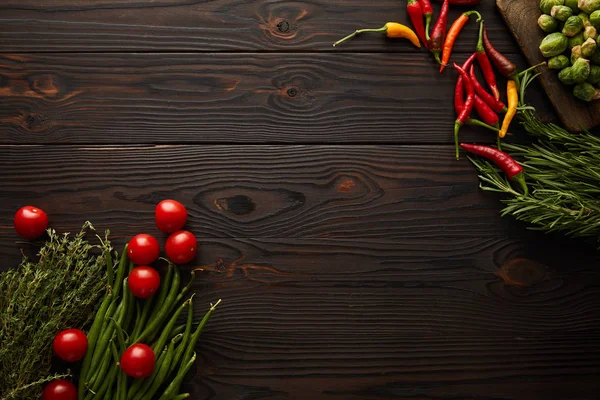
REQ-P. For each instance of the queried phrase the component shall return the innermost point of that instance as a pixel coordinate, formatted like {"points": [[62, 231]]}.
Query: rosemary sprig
{"points": [[38, 299], [563, 173]]}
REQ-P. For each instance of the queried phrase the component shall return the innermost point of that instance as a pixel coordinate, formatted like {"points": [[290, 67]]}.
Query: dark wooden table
{"points": [[355, 257]]}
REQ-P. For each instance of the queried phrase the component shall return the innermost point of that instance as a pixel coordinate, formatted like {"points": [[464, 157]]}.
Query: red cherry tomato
{"points": [[31, 222], [143, 282], [70, 345], [143, 249], [138, 361], [181, 247], [170, 216], [60, 389]]}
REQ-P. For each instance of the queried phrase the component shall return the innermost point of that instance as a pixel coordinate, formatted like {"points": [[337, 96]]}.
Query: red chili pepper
{"points": [[453, 33], [464, 2], [428, 13], [485, 112], [486, 67], [463, 116], [459, 102], [504, 65], [438, 34], [496, 105], [511, 168], [416, 17]]}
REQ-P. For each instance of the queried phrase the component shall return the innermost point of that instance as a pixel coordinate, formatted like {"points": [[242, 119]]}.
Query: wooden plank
{"points": [[521, 17], [226, 98], [354, 272], [366, 192], [217, 25]]}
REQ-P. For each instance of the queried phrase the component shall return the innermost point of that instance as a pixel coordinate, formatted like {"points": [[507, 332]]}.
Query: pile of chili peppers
{"points": [[470, 95]]}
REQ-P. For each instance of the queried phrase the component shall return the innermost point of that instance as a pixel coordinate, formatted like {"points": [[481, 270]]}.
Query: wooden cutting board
{"points": [[521, 17]]}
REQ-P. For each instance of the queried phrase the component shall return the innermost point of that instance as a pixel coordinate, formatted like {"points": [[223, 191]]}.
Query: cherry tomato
{"points": [[138, 361], [143, 249], [70, 345], [60, 389], [170, 216], [143, 282], [181, 247], [31, 222]]}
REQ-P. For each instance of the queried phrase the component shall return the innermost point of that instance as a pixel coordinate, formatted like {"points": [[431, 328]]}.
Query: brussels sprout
{"points": [[558, 62], [584, 18], [589, 6], [575, 54], [572, 4], [594, 76], [596, 58], [566, 76], [595, 19], [546, 5], [586, 92], [547, 23], [561, 13], [590, 33], [554, 44], [573, 26], [588, 48], [576, 40], [580, 70]]}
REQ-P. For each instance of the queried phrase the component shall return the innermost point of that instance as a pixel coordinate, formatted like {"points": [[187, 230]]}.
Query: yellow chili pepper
{"points": [[513, 100], [392, 30]]}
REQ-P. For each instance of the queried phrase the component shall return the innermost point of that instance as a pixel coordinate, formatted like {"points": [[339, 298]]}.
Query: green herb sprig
{"points": [[563, 174], [40, 298]]}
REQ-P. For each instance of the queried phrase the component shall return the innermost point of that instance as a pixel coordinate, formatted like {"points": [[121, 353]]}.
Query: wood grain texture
{"points": [[217, 25], [229, 98], [347, 272], [521, 17]]}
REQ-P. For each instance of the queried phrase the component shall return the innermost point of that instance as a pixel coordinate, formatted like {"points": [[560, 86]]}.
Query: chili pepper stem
{"points": [[350, 36], [457, 126], [476, 122], [427, 24], [520, 179]]}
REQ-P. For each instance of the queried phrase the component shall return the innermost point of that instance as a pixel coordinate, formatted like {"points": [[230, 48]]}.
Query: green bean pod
{"points": [[166, 331], [120, 272], [106, 384], [192, 343], [109, 268], [140, 386], [92, 336], [109, 331], [143, 318], [162, 372], [97, 378], [129, 306], [186, 338], [155, 323], [163, 290], [181, 396], [176, 383], [183, 291], [178, 329]]}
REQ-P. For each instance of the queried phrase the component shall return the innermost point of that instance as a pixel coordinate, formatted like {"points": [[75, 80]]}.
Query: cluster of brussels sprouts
{"points": [[570, 46]]}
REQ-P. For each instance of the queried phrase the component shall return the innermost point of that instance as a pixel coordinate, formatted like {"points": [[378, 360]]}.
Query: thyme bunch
{"points": [[40, 298]]}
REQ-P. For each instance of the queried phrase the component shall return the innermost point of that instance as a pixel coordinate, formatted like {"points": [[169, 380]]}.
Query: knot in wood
{"points": [[283, 26]]}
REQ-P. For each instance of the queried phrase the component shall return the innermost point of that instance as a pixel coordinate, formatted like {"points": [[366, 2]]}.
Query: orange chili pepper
{"points": [[392, 30], [513, 100], [453, 34]]}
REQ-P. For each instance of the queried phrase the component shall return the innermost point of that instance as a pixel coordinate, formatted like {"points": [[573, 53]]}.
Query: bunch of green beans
{"points": [[122, 320]]}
